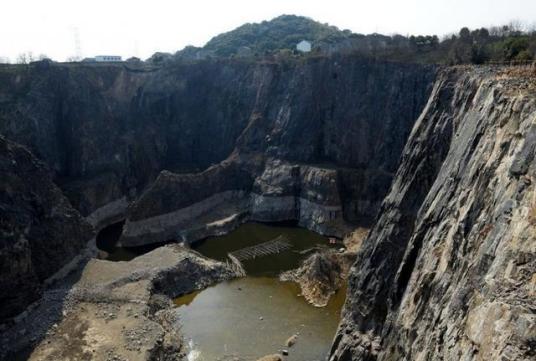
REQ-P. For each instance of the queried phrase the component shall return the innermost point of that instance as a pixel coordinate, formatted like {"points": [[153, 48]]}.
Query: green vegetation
{"points": [[283, 32], [278, 37], [500, 44], [480, 46]]}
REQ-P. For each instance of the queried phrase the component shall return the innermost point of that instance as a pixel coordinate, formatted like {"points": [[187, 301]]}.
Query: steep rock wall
{"points": [[339, 124], [447, 272], [189, 207], [108, 130], [39, 230]]}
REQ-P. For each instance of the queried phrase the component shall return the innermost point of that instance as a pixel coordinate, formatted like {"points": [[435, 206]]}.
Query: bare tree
{"points": [[495, 31], [531, 28], [516, 27], [22, 58], [25, 58]]}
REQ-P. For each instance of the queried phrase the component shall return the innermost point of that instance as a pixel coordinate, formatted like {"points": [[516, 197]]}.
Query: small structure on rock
{"points": [[304, 46], [276, 245], [107, 58]]}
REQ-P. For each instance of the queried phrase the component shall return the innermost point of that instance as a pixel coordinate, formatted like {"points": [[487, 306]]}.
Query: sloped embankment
{"points": [[119, 310]]}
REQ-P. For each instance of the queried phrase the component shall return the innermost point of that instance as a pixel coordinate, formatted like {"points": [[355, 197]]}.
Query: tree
{"points": [[514, 46], [515, 28], [460, 53], [532, 46], [524, 55], [483, 34], [465, 34], [479, 54], [25, 58]]}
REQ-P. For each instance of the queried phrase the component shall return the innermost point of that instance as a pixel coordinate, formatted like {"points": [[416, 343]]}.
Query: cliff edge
{"points": [[448, 270]]}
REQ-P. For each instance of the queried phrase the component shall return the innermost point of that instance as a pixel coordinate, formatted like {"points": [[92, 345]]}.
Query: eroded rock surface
{"points": [[324, 157], [274, 357], [321, 275], [326, 270], [108, 130], [447, 272], [315, 141], [39, 230], [217, 200]]}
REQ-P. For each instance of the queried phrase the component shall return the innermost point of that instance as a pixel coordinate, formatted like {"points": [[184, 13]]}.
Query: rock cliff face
{"points": [[39, 230], [447, 272], [107, 131], [223, 196], [320, 146]]}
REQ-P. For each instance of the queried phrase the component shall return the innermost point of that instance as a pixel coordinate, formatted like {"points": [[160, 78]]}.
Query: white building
{"points": [[111, 58], [304, 46]]}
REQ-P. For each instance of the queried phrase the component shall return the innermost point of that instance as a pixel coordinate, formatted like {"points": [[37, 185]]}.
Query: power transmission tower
{"points": [[77, 46]]}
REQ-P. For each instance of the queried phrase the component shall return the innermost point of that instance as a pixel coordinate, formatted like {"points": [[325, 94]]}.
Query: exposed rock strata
{"points": [[39, 230], [217, 200], [325, 271], [447, 272], [324, 157], [108, 214], [321, 275], [108, 130]]}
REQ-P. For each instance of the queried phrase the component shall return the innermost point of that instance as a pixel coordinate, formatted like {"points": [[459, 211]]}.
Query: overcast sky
{"points": [[139, 28]]}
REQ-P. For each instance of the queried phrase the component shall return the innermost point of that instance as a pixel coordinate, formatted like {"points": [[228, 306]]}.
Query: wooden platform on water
{"points": [[274, 246]]}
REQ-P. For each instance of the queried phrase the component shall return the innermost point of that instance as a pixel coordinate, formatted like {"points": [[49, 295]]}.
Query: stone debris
{"points": [[119, 310], [291, 340], [274, 357], [321, 275]]}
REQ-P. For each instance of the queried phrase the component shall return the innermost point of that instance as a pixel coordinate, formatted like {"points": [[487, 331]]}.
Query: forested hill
{"points": [[283, 32], [279, 37]]}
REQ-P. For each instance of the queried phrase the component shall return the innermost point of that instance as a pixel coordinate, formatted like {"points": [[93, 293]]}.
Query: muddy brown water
{"points": [[251, 317], [249, 234]]}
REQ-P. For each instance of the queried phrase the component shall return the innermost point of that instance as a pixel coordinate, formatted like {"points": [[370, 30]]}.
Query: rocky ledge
{"points": [[116, 310], [217, 200]]}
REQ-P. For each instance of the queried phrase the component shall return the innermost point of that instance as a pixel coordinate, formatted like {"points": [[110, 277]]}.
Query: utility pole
{"points": [[77, 46]]}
